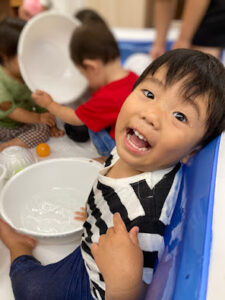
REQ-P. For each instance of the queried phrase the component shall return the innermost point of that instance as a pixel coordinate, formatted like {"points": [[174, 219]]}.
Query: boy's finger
{"points": [[79, 213], [118, 223], [94, 249], [133, 234]]}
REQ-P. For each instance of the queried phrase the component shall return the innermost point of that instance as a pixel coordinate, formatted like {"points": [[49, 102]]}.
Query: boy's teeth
{"points": [[135, 146], [140, 136]]}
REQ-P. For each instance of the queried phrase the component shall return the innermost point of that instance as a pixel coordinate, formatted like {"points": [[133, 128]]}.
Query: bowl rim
{"points": [[3, 175], [27, 169], [22, 39]]}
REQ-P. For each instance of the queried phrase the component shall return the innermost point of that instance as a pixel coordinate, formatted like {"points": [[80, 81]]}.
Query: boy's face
{"points": [[157, 127], [92, 72]]}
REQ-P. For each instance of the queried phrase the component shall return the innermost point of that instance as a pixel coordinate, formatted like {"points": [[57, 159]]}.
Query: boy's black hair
{"points": [[202, 75], [92, 40], [10, 29], [87, 15]]}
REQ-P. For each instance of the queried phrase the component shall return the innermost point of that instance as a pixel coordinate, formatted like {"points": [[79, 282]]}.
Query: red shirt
{"points": [[102, 109]]}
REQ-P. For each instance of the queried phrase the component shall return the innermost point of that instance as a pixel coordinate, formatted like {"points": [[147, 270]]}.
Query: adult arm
{"points": [[192, 16], [163, 15], [64, 113]]}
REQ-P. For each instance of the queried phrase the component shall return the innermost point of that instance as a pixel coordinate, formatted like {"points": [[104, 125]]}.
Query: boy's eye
{"points": [[180, 117], [149, 94]]}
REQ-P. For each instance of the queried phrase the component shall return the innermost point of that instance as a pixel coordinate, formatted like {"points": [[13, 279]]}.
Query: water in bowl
{"points": [[52, 211]]}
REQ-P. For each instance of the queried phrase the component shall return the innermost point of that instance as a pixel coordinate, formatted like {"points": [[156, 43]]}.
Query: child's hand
{"points": [[47, 118], [120, 260], [81, 215], [41, 98]]}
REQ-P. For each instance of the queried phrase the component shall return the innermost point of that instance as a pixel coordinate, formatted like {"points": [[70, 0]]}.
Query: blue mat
{"points": [[183, 272]]}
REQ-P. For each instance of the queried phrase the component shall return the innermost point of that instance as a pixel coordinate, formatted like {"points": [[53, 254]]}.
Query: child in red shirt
{"points": [[95, 53]]}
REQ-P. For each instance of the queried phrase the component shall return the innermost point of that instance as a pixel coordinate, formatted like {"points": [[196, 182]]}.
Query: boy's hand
{"points": [[120, 260], [47, 118], [41, 98], [81, 215]]}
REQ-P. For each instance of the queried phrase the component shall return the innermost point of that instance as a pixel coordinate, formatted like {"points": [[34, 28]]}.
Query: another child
{"points": [[87, 15], [95, 53], [177, 107], [22, 122]]}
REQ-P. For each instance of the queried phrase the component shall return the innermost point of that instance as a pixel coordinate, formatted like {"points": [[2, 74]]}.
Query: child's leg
{"points": [[27, 136], [66, 279], [35, 134], [78, 133], [103, 142], [13, 142], [56, 132], [8, 137]]}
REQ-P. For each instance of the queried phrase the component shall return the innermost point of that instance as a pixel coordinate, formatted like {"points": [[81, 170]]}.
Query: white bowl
{"points": [[2, 175], [44, 58], [15, 159], [40, 200]]}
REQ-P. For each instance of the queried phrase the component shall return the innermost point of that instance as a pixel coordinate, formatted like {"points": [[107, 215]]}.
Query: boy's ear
{"points": [[90, 64], [190, 155]]}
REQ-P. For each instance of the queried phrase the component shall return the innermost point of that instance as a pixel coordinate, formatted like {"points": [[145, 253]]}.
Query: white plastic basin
{"points": [[44, 57], [40, 200]]}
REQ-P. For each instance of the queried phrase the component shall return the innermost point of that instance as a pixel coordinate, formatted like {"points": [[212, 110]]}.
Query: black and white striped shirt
{"points": [[146, 200]]}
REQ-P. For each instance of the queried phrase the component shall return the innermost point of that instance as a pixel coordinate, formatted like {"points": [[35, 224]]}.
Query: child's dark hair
{"points": [[10, 29], [93, 41], [86, 16], [202, 74]]}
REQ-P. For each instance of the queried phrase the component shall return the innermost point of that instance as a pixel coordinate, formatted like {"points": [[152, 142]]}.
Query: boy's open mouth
{"points": [[137, 140]]}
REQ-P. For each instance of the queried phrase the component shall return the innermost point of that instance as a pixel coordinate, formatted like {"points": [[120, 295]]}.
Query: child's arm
{"points": [[25, 116], [120, 260], [64, 113]]}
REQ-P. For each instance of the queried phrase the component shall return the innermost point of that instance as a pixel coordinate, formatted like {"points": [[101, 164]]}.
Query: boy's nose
{"points": [[153, 118]]}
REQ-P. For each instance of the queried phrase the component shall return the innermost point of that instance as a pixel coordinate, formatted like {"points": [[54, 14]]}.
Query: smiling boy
{"points": [[177, 106], [158, 126]]}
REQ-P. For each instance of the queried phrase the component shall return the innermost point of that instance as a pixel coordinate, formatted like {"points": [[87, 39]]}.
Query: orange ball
{"points": [[43, 149]]}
